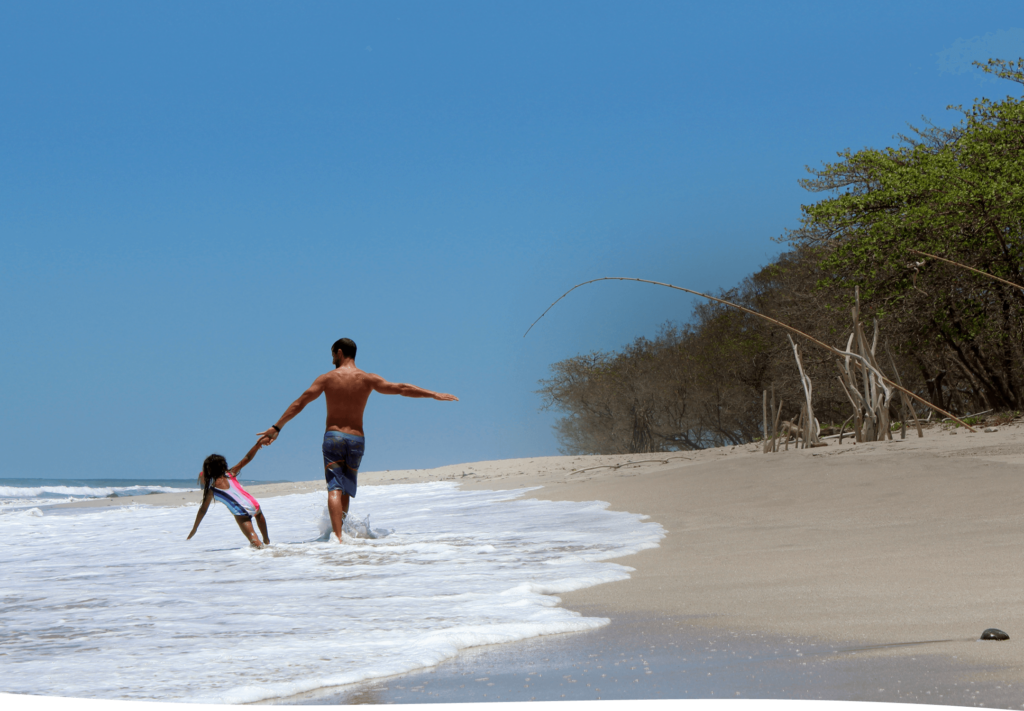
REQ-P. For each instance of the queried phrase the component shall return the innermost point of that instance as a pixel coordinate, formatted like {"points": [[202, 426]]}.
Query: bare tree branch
{"points": [[964, 266]]}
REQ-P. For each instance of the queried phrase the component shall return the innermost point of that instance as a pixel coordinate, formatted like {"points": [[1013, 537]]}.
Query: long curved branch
{"points": [[812, 339], [963, 266]]}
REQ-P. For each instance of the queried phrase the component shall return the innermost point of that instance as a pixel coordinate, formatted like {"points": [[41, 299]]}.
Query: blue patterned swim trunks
{"points": [[343, 453]]}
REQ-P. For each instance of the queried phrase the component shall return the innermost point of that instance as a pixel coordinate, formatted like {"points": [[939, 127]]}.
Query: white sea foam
{"points": [[24, 492], [14, 498], [115, 604]]}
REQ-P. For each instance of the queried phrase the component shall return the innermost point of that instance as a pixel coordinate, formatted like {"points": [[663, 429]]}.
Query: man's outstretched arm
{"points": [[312, 393], [404, 389]]}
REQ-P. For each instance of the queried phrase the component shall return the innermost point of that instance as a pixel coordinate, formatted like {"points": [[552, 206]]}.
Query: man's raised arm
{"points": [[311, 394], [404, 389]]}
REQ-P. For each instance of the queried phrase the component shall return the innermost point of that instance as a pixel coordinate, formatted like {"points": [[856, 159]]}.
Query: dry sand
{"points": [[909, 541], [892, 543]]}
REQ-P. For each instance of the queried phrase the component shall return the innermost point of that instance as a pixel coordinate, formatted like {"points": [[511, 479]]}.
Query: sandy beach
{"points": [[867, 562]]}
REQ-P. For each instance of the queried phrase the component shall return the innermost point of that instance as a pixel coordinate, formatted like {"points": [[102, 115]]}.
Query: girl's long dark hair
{"points": [[214, 467]]}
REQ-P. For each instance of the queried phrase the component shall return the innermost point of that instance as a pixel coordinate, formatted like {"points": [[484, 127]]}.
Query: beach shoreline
{"points": [[645, 657], [902, 550]]}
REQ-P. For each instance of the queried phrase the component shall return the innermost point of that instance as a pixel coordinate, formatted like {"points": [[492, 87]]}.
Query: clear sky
{"points": [[197, 199]]}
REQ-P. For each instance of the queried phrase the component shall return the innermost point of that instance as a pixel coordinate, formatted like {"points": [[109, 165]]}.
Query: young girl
{"points": [[220, 483]]}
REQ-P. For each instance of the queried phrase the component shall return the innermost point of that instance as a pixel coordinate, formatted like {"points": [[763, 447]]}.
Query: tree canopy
{"points": [[956, 336]]}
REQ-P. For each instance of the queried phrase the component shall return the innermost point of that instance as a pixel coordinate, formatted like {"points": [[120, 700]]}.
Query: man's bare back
{"points": [[346, 389]]}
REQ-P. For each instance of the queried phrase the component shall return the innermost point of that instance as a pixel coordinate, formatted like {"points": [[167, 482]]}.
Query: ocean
{"points": [[26, 493], [115, 603]]}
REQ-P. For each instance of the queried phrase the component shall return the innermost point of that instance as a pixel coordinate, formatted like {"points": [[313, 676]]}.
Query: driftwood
{"points": [[865, 386], [787, 431], [766, 443], [843, 427], [775, 428], [769, 319], [907, 404], [811, 427], [802, 427], [790, 429], [623, 464]]}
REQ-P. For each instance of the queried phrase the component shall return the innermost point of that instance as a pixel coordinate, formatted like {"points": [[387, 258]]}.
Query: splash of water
{"points": [[352, 527]]}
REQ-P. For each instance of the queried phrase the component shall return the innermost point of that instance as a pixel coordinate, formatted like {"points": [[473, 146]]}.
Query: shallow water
{"points": [[116, 604]]}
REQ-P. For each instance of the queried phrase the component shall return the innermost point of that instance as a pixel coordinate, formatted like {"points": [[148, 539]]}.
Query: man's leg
{"points": [[245, 523], [262, 522], [337, 507]]}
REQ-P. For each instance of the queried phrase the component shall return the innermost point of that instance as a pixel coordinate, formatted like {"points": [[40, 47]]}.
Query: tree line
{"points": [[952, 335]]}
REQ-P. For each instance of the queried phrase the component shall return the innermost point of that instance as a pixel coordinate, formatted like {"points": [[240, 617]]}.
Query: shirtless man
{"points": [[347, 389]]}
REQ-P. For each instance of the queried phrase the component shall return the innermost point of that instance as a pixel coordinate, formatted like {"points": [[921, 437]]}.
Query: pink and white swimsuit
{"points": [[239, 501]]}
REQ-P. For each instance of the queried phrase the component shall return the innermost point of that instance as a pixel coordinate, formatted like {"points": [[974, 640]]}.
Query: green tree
{"points": [[958, 193]]}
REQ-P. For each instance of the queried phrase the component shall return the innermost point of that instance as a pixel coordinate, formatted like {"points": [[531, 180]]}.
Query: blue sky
{"points": [[197, 199]]}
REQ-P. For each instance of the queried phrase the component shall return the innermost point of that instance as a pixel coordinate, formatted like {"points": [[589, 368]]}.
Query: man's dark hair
{"points": [[347, 347]]}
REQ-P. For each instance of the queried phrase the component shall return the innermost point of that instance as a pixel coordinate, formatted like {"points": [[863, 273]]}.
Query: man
{"points": [[347, 389]]}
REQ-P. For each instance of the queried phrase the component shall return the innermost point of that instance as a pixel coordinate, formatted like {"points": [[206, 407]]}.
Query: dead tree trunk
{"points": [[811, 428], [641, 442], [907, 404], [865, 386], [765, 441], [775, 427]]}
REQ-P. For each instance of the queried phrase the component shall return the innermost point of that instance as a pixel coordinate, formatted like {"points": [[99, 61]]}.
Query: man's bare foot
{"points": [[255, 543]]}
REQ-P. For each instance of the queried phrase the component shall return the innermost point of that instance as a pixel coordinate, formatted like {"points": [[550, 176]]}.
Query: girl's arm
{"points": [[245, 460], [202, 512]]}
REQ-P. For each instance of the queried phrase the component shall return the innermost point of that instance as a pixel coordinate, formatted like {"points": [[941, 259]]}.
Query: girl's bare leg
{"points": [[262, 523], [245, 523]]}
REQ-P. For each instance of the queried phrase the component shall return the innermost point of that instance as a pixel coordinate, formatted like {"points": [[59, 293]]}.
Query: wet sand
{"points": [[881, 563], [645, 657]]}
